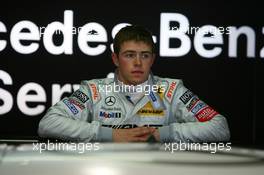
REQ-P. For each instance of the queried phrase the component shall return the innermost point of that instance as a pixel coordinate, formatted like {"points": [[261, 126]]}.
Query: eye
{"points": [[146, 55], [129, 55]]}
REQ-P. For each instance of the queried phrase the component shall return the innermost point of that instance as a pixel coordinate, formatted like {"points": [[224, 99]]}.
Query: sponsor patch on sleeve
{"points": [[192, 103], [206, 114], [77, 103], [70, 106], [199, 105]]}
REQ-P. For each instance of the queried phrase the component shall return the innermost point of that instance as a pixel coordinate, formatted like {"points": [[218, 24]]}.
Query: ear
{"points": [[115, 59]]}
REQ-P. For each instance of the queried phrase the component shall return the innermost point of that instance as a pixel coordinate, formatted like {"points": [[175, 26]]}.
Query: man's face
{"points": [[134, 62]]}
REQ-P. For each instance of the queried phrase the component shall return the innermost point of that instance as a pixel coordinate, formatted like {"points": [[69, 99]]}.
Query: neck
{"points": [[120, 79]]}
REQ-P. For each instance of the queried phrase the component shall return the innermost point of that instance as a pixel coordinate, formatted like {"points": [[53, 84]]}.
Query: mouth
{"points": [[137, 72]]}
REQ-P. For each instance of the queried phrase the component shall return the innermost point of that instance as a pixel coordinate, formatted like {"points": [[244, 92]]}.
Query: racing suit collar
{"points": [[152, 97]]}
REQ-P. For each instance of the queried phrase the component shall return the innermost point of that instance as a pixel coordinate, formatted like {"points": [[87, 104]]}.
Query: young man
{"points": [[135, 105]]}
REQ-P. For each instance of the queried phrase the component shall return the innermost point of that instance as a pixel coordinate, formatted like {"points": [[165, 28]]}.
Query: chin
{"points": [[138, 81]]}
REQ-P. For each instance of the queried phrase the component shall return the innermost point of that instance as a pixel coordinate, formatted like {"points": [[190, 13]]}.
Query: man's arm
{"points": [[70, 119], [196, 121]]}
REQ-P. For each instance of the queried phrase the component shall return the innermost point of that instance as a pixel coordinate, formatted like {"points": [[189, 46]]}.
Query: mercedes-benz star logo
{"points": [[110, 100]]}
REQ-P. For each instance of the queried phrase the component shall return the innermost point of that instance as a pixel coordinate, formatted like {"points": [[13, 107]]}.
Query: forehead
{"points": [[138, 46]]}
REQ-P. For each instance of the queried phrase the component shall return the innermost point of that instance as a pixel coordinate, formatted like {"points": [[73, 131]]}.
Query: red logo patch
{"points": [[171, 89], [206, 114], [94, 91]]}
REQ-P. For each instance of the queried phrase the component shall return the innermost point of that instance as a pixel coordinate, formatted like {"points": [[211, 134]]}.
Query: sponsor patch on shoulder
{"points": [[94, 91], [170, 91], [81, 96], [186, 96]]}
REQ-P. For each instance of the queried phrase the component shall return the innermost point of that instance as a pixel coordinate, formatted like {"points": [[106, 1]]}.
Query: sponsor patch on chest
{"points": [[106, 114], [149, 111]]}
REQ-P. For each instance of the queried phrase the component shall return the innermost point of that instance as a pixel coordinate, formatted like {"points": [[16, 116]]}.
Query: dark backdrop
{"points": [[230, 84]]}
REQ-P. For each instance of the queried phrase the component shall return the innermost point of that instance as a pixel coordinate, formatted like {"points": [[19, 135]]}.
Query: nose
{"points": [[138, 61]]}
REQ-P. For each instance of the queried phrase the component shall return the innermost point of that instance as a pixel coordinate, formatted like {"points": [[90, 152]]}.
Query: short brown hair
{"points": [[133, 33]]}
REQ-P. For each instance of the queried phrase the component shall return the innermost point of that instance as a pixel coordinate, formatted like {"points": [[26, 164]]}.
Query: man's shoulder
{"points": [[167, 81], [170, 86], [94, 87]]}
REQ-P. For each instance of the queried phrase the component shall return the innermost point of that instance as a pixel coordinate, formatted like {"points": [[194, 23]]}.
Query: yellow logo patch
{"points": [[148, 109]]}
